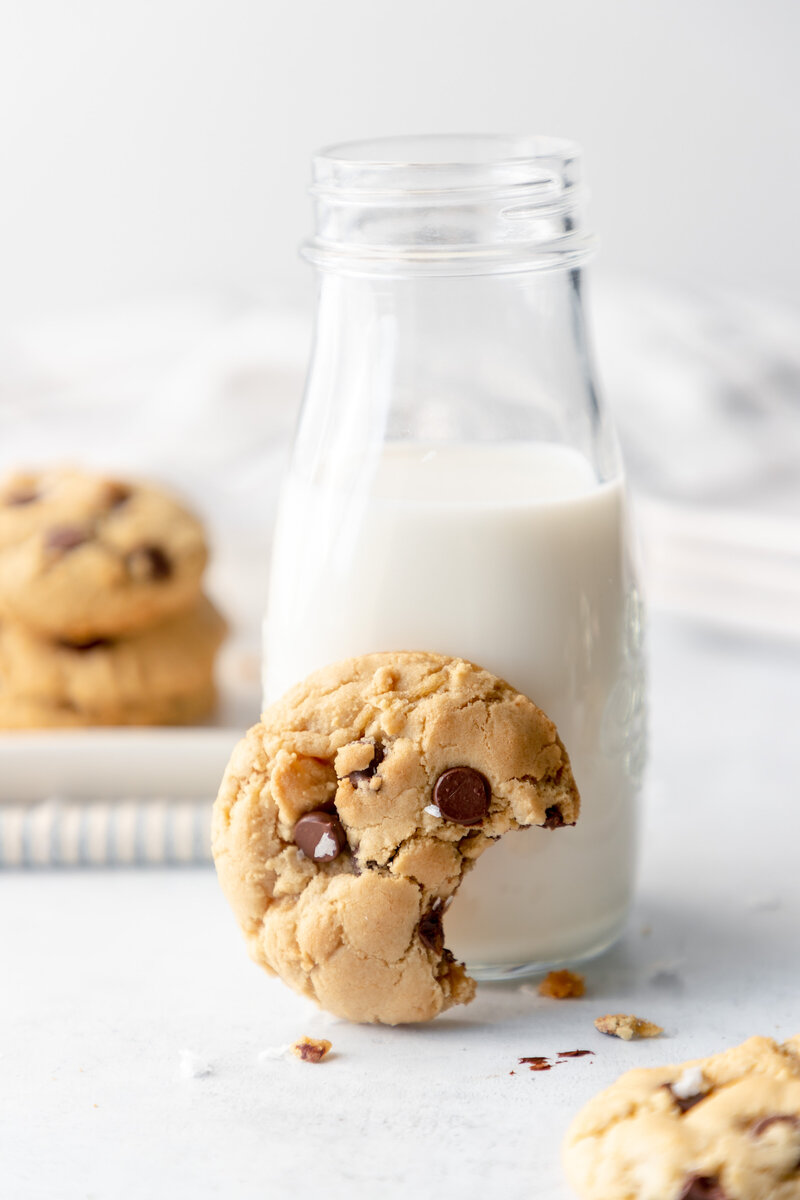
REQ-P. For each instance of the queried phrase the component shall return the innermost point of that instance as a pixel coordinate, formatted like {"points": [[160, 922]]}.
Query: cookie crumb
{"points": [[562, 985], [626, 1026], [311, 1049]]}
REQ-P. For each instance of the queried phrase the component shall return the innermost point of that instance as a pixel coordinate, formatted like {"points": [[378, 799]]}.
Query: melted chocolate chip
{"points": [[22, 495], [776, 1119], [116, 494], [430, 929], [63, 538], [462, 794], [148, 564], [536, 1062], [363, 776], [79, 647], [553, 818], [320, 836], [703, 1187], [574, 1053], [684, 1103]]}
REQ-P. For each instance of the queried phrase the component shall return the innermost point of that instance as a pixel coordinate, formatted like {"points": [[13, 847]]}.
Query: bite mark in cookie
{"points": [[422, 761]]}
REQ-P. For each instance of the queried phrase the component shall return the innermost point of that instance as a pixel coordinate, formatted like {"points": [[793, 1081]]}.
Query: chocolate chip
{"points": [[116, 494], [554, 818], [703, 1187], [684, 1103], [430, 928], [148, 563], [22, 495], [363, 776], [574, 1053], [778, 1118], [63, 538], [79, 647], [462, 794], [320, 836]]}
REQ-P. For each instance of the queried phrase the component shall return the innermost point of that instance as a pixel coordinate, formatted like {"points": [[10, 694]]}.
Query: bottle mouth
{"points": [[457, 203]]}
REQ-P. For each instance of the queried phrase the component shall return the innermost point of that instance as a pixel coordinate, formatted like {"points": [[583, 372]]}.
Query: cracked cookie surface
{"points": [[725, 1127], [348, 817], [83, 556]]}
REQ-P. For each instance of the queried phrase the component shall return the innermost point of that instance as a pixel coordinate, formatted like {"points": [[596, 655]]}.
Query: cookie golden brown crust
{"points": [[411, 764], [720, 1128], [84, 556], [20, 713], [165, 669]]}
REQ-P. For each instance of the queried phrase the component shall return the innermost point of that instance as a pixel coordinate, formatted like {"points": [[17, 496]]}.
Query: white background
{"points": [[162, 147]]}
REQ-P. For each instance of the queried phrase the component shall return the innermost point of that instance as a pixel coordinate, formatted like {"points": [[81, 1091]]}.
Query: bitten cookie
{"points": [[347, 818], [85, 557], [163, 675], [719, 1128]]}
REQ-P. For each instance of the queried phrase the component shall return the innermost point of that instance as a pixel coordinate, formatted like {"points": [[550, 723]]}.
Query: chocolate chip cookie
{"points": [[719, 1128], [20, 713], [85, 557], [162, 675], [348, 817]]}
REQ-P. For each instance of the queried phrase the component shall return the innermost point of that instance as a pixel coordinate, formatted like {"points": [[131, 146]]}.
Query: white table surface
{"points": [[105, 977]]}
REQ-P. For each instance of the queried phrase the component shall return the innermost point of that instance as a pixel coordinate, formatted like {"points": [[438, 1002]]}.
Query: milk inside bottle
{"points": [[455, 486], [515, 557]]}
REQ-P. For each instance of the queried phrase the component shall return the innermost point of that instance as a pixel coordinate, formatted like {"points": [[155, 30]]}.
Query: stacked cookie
{"points": [[102, 616]]}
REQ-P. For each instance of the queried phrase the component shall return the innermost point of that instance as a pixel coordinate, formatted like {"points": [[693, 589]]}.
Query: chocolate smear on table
{"points": [[462, 795], [148, 563], [703, 1187], [536, 1062], [574, 1053], [430, 928], [63, 538], [320, 836], [366, 773]]}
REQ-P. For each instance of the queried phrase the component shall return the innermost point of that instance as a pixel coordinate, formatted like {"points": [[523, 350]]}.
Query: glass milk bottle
{"points": [[456, 486]]}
